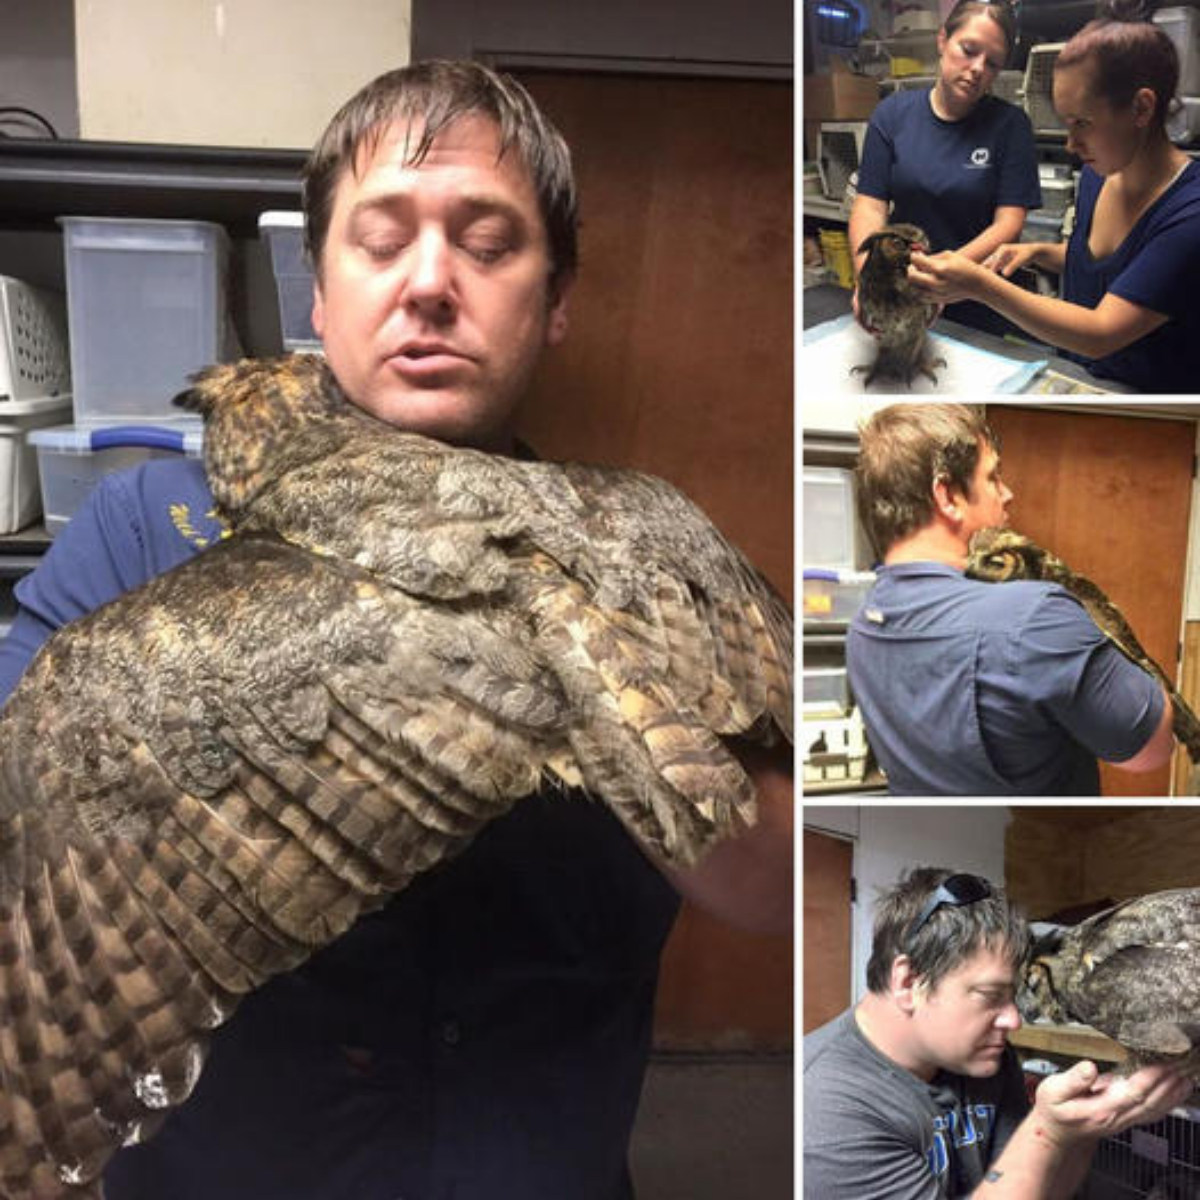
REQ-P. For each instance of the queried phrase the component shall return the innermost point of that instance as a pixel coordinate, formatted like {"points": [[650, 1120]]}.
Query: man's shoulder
{"points": [[164, 500]]}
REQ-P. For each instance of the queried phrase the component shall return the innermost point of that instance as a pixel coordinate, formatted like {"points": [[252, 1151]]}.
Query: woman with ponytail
{"points": [[1131, 267]]}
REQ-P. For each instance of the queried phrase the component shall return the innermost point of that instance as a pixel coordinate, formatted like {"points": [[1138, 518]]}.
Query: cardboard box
{"points": [[839, 96]]}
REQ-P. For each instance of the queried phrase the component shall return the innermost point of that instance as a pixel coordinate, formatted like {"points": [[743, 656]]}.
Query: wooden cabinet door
{"points": [[679, 361], [1111, 496]]}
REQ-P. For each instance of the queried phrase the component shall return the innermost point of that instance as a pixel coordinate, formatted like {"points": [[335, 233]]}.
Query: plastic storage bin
{"points": [[73, 460], [146, 307], [284, 232], [34, 360], [828, 601], [826, 690], [830, 526], [1182, 25], [20, 496]]}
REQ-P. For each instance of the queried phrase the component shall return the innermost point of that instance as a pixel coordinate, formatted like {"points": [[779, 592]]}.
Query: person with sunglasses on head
{"points": [[955, 160], [969, 688], [915, 1092], [1128, 310]]}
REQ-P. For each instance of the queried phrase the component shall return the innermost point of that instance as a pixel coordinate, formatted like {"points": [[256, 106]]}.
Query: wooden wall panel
{"points": [[828, 988], [1052, 861], [1110, 495], [679, 361], [679, 356]]}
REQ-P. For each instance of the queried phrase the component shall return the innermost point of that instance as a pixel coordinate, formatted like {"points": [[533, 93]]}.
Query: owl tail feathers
{"points": [[1186, 727]]}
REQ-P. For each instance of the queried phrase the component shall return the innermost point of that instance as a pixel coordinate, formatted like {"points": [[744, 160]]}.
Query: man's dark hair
{"points": [[433, 95], [904, 450], [948, 938]]}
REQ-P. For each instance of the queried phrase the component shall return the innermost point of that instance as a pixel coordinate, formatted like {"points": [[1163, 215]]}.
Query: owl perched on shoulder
{"points": [[891, 306], [1131, 971], [210, 778], [1001, 555]]}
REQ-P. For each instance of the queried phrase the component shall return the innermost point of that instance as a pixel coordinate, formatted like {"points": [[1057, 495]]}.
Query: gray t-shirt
{"points": [[874, 1131]]}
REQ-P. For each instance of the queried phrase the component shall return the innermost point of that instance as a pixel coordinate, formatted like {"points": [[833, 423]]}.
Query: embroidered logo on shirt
{"points": [[981, 156], [181, 518]]}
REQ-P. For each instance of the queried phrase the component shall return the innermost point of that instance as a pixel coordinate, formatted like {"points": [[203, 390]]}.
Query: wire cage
{"points": [[1039, 84], [1152, 1162]]}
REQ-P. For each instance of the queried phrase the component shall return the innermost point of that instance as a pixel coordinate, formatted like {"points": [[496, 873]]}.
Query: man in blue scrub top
{"points": [[971, 688]]}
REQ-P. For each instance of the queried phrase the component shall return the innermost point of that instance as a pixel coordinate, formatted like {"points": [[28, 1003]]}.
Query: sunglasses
{"points": [[954, 891]]}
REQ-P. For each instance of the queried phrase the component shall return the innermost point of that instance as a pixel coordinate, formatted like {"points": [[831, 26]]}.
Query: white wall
{"points": [[37, 63], [229, 72], [891, 838]]}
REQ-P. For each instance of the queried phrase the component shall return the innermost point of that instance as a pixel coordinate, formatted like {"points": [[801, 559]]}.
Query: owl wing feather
{"points": [[1129, 971], [213, 776]]}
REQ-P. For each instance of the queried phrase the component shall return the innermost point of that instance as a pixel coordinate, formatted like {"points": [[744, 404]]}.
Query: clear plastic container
{"points": [[830, 528], [146, 307], [72, 460], [20, 496], [1182, 25], [284, 232], [826, 690], [829, 602]]}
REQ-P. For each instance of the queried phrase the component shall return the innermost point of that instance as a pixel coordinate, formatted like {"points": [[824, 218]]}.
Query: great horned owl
{"points": [[208, 779], [1132, 972], [1001, 555], [891, 306]]}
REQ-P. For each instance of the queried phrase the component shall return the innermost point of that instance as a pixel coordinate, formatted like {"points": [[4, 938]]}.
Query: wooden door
{"points": [[679, 361], [1111, 495], [828, 888]]}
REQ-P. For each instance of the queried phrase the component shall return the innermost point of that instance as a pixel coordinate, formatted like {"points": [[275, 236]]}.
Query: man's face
{"points": [[963, 1023], [433, 296], [986, 504]]}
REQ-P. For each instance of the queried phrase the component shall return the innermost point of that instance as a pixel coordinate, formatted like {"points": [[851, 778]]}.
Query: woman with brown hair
{"points": [[1131, 265], [955, 160]]}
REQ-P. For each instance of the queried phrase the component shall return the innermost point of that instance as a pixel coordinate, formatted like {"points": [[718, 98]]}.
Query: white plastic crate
{"points": [[834, 749], [146, 303], [1039, 83], [34, 360], [284, 232], [72, 460]]}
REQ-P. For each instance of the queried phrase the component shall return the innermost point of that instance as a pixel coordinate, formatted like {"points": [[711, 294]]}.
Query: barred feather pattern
{"points": [[999, 555], [215, 775]]}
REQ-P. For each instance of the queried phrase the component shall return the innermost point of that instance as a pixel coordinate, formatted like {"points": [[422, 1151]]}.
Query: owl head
{"points": [[1038, 994], [998, 555], [895, 244]]}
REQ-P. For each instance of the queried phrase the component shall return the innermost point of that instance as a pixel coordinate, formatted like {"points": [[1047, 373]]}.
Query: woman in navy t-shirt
{"points": [[1131, 266], [955, 160]]}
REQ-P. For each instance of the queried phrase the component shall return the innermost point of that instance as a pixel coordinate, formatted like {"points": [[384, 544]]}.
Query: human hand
{"points": [[1011, 257], [945, 277], [1081, 1104]]}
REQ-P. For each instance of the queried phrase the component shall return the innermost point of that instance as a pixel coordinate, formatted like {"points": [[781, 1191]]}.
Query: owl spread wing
{"points": [[208, 779], [1001, 555]]}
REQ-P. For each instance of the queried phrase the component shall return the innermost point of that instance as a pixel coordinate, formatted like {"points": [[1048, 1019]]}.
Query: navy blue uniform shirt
{"points": [[1008, 689], [1156, 266], [949, 177], [483, 1037]]}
